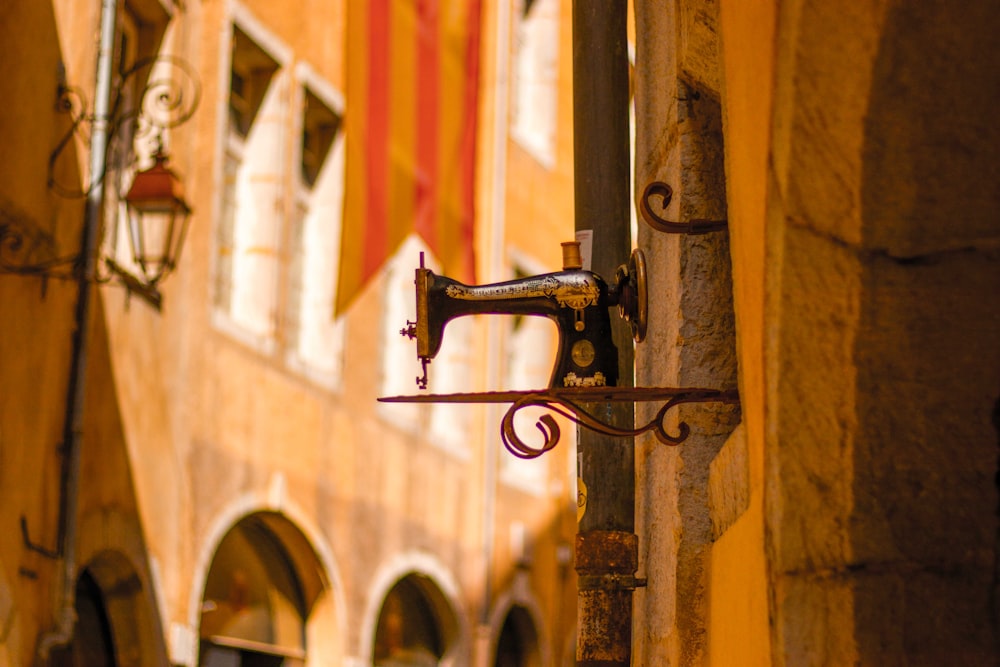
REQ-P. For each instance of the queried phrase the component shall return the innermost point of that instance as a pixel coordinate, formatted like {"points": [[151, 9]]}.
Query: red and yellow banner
{"points": [[410, 123]]}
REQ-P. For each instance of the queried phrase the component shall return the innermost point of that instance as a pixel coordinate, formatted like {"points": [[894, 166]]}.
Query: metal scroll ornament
{"points": [[576, 404], [169, 95]]}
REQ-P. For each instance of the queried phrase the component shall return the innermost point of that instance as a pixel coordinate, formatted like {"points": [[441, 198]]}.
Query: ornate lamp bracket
{"points": [[169, 96], [578, 405], [168, 99], [27, 250]]}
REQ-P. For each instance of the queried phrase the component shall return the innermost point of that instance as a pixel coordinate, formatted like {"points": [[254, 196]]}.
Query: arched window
{"points": [[253, 609], [92, 645], [414, 627], [115, 624], [517, 645]]}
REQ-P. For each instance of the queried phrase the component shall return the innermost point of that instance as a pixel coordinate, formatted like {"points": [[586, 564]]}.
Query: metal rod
{"points": [[583, 406], [579, 395], [601, 203], [62, 634]]}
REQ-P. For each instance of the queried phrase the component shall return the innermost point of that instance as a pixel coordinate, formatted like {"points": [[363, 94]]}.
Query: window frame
{"points": [[235, 142]]}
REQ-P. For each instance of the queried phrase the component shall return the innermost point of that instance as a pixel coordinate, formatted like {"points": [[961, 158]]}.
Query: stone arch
{"points": [[422, 573], [309, 559], [115, 617], [114, 566]]}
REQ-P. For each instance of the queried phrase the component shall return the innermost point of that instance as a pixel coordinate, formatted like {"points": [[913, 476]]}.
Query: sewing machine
{"points": [[578, 301]]}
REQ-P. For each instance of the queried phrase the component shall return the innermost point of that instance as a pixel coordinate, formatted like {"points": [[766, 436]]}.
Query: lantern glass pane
{"points": [[152, 237]]}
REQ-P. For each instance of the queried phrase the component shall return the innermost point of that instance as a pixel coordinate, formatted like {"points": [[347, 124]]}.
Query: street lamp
{"points": [[156, 213], [158, 219]]}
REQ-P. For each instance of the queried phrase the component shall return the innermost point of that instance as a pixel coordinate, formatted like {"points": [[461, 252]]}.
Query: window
{"points": [[277, 236], [253, 610], [536, 56], [315, 339], [93, 642], [517, 645], [415, 626], [400, 367], [320, 127], [248, 232], [451, 374]]}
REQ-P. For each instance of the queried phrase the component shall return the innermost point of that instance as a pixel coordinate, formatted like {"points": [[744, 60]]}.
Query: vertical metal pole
{"points": [[63, 633], [606, 546]]}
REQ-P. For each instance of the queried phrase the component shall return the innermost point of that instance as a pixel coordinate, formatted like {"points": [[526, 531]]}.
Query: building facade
{"points": [[240, 495]]}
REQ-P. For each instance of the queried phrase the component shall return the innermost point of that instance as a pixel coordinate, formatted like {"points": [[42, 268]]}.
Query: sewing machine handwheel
{"points": [[633, 305]]}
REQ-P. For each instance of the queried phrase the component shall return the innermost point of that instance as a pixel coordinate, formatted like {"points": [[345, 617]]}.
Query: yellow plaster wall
{"points": [[738, 631], [748, 63], [33, 387], [738, 625]]}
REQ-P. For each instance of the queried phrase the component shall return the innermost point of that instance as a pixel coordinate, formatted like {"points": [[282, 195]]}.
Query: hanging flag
{"points": [[410, 123]]}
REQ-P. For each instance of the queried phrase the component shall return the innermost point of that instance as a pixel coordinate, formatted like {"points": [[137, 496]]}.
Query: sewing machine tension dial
{"points": [[583, 353]]}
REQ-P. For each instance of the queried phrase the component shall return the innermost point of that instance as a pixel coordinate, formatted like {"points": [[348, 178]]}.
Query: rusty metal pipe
{"points": [[606, 546], [64, 630]]}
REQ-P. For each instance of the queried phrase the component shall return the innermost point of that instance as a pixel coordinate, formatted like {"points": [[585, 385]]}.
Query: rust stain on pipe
{"points": [[606, 562]]}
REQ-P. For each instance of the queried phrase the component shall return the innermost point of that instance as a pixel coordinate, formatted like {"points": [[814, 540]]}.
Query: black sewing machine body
{"points": [[576, 300]]}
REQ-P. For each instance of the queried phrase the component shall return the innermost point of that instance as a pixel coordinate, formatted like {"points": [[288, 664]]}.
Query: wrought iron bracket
{"points": [[28, 251], [579, 405], [20, 250], [148, 293], [169, 98], [660, 224]]}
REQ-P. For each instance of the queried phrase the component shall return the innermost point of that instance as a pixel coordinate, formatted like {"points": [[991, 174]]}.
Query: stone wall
{"points": [[691, 340], [852, 517]]}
